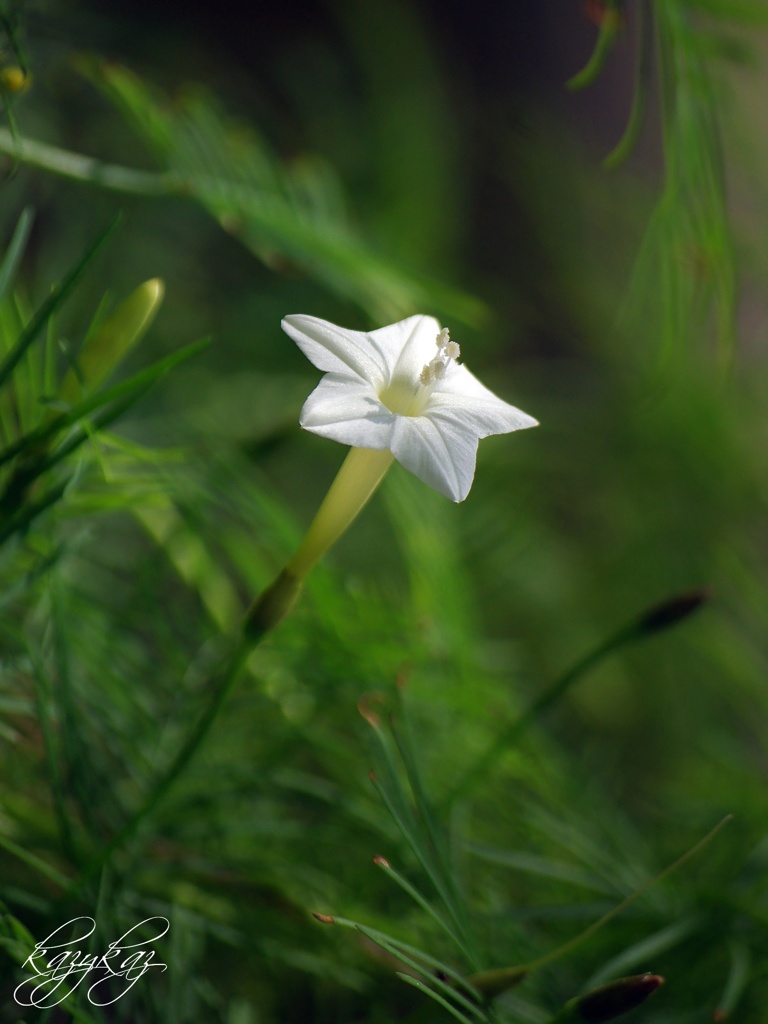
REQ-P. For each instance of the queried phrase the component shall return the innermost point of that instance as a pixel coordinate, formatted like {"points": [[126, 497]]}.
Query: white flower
{"points": [[400, 388]]}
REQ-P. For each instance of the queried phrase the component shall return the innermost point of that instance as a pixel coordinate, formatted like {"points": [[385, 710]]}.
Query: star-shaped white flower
{"points": [[400, 388]]}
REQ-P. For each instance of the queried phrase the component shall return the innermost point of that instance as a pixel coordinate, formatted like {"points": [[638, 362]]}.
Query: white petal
{"points": [[346, 410], [407, 346], [462, 397], [337, 349], [437, 453]]}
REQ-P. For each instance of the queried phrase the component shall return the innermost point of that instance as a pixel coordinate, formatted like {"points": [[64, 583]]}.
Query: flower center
{"points": [[408, 398]]}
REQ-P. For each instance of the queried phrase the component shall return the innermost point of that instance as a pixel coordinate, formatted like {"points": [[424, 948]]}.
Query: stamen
{"points": [[447, 352]]}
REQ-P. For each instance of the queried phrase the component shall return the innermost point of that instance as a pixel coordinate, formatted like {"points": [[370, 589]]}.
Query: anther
{"points": [[447, 352]]}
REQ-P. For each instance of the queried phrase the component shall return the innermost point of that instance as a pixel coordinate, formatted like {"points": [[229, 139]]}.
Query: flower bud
{"points": [[365, 707], [108, 345], [673, 610], [613, 999], [604, 14], [14, 81]]}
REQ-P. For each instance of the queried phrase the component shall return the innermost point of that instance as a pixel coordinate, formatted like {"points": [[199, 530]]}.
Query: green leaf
{"points": [[644, 951], [603, 45], [543, 866], [58, 295], [21, 521], [428, 991], [138, 383], [15, 251]]}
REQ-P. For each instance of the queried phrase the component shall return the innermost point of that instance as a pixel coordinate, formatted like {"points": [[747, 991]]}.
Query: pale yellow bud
{"points": [[109, 345]]}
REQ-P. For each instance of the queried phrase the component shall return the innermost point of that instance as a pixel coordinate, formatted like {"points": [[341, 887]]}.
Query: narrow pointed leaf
{"points": [[15, 251], [63, 421], [59, 294]]}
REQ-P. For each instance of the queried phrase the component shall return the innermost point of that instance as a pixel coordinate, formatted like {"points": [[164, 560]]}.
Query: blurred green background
{"points": [[361, 162]]}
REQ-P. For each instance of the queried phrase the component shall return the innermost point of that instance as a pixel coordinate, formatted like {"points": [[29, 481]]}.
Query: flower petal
{"points": [[437, 453], [336, 349], [347, 410], [462, 397], [407, 346]]}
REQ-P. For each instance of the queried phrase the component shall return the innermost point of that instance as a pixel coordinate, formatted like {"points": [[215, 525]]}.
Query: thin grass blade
{"points": [[140, 380], [21, 522], [58, 295], [15, 250], [428, 991]]}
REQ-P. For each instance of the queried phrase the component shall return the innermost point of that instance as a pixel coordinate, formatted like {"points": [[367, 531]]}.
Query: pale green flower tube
{"points": [[361, 473]]}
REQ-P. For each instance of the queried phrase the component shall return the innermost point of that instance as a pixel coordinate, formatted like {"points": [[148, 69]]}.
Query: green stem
{"points": [[36, 863], [86, 169], [605, 40], [555, 954], [494, 982], [542, 703], [666, 614], [42, 701], [643, 77]]}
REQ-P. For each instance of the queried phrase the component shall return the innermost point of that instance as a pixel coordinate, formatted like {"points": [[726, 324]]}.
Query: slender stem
{"points": [[555, 954], [654, 620], [36, 863], [42, 699], [643, 76], [86, 169], [542, 703], [606, 37], [494, 982], [416, 896]]}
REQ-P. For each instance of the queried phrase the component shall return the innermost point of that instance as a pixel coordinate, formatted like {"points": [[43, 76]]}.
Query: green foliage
{"points": [[285, 214], [536, 772]]}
